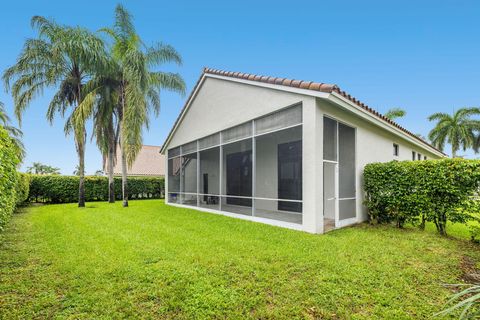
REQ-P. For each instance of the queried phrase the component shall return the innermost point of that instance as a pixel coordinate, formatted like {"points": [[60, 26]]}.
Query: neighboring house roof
{"points": [[300, 84], [149, 162]]}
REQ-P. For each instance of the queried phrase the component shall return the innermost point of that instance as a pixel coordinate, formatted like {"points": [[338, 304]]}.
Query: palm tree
{"points": [[395, 113], [40, 168], [106, 124], [63, 58], [458, 129], [134, 89], [14, 133]]}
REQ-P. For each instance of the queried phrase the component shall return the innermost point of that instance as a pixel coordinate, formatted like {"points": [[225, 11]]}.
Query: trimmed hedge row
{"points": [[8, 177], [419, 191], [23, 188], [64, 189]]}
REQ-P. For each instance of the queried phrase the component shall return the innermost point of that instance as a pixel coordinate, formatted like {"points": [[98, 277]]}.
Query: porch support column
{"points": [[165, 179], [312, 166]]}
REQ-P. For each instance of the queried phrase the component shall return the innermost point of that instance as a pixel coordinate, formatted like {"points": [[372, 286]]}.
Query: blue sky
{"points": [[422, 56]]}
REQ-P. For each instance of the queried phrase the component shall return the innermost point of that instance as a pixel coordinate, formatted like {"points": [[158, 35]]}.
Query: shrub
{"points": [[433, 190], [22, 188], [64, 189], [8, 177]]}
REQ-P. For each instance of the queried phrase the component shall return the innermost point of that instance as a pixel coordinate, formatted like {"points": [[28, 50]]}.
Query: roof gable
{"points": [[289, 83], [149, 162]]}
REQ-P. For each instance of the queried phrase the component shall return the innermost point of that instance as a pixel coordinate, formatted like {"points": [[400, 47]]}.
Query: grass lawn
{"points": [[155, 261]]}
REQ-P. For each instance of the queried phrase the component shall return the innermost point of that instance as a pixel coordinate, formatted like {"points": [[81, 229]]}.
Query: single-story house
{"points": [[149, 163], [284, 152]]}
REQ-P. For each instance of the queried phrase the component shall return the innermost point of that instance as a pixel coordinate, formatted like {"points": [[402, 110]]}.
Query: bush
{"points": [[64, 189], [419, 191], [8, 177], [22, 188]]}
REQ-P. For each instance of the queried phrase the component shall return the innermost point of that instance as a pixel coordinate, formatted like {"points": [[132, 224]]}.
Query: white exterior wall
{"points": [[221, 104], [373, 144]]}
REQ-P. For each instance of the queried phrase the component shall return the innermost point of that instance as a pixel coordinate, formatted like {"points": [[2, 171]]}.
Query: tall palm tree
{"points": [[457, 129], [106, 125], [63, 58], [395, 113], [14, 133], [135, 87]]}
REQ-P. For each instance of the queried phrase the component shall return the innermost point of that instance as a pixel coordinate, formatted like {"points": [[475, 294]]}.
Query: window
{"points": [[346, 172], [419, 157], [174, 168], [414, 155], [424, 157], [188, 182], [210, 141], [237, 133], [395, 150], [174, 152], [209, 187], [278, 175], [281, 119], [237, 177], [329, 139]]}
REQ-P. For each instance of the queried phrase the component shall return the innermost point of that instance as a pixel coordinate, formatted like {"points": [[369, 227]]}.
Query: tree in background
{"points": [[395, 113], [457, 129], [63, 58], [40, 168], [129, 91], [14, 133]]}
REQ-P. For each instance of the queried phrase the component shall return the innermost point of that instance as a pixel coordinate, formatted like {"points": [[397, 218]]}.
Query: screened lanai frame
{"points": [[288, 118]]}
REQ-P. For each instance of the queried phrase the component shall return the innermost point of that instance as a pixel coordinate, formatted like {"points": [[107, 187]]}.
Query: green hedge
{"points": [[64, 189], [419, 191], [22, 188], [8, 177]]}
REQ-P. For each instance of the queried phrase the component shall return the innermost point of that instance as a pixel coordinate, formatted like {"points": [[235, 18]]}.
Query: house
{"points": [[149, 163], [284, 152]]}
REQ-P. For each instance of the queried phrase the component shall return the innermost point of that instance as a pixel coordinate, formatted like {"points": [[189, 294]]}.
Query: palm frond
{"points": [[162, 53], [395, 113], [438, 116]]}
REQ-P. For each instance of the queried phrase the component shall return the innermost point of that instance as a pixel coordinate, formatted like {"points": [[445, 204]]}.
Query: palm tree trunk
{"points": [[81, 138], [454, 152], [124, 179], [81, 168], [111, 159], [111, 183], [122, 149]]}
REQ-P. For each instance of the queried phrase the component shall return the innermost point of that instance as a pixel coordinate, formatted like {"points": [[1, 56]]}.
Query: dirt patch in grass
{"points": [[470, 272]]}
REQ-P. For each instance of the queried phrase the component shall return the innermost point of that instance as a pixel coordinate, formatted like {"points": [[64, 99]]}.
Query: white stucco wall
{"points": [[223, 104], [373, 145], [220, 104]]}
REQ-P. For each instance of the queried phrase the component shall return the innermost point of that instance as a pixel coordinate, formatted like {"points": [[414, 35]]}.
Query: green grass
{"points": [[155, 261]]}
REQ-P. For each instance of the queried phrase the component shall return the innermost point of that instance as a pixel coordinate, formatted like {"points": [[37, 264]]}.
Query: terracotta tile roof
{"points": [[307, 85], [149, 162]]}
